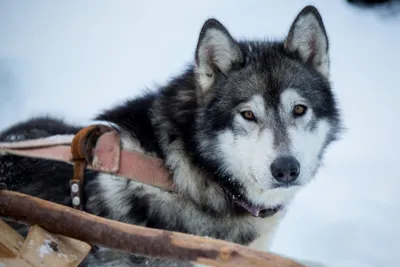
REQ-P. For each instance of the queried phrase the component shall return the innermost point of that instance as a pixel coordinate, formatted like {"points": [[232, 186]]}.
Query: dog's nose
{"points": [[285, 169]]}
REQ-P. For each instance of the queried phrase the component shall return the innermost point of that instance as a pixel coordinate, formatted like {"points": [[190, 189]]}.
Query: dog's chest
{"points": [[266, 228]]}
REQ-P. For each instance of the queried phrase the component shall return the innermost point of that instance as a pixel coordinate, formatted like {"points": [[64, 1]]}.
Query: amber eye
{"points": [[248, 115], [299, 110]]}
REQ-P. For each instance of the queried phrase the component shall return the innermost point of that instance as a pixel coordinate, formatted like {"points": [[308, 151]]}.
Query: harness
{"points": [[96, 147]]}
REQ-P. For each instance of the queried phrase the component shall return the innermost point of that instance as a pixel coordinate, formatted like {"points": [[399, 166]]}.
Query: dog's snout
{"points": [[285, 169]]}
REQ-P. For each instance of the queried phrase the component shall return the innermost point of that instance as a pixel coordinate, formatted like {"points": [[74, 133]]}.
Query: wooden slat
{"points": [[14, 262], [42, 248], [10, 241], [131, 238]]}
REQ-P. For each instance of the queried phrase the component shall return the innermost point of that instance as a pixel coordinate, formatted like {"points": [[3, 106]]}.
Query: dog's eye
{"points": [[299, 110], [248, 115]]}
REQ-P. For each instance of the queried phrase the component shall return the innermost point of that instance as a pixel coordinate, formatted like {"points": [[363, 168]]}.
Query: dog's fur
{"points": [[219, 127]]}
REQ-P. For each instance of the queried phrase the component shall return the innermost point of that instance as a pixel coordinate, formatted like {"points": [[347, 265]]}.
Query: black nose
{"points": [[285, 169]]}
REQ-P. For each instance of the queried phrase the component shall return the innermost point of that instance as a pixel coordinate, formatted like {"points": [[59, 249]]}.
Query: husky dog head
{"points": [[267, 112], [263, 112]]}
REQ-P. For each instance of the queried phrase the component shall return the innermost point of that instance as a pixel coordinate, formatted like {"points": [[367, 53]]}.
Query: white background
{"points": [[73, 58]]}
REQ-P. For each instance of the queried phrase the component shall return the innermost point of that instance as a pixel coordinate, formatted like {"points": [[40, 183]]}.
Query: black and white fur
{"points": [[220, 161]]}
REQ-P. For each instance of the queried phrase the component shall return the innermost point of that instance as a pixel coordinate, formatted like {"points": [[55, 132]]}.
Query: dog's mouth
{"points": [[258, 211], [255, 210]]}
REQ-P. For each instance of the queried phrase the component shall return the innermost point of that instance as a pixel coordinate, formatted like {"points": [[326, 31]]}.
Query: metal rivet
{"points": [[74, 188], [76, 201]]}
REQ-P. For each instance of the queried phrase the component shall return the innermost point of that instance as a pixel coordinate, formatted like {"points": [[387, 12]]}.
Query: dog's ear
{"points": [[307, 37], [216, 52]]}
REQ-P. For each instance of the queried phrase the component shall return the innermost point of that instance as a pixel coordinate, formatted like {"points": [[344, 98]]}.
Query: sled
{"points": [[63, 236]]}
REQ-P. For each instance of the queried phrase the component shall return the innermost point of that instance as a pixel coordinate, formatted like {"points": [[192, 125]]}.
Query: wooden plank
{"points": [[42, 248], [14, 262], [131, 238], [10, 241], [10, 244]]}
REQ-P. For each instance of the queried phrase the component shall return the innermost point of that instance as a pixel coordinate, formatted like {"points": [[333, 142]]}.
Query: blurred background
{"points": [[72, 59]]}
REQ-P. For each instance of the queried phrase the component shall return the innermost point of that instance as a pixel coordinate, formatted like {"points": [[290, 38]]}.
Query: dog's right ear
{"points": [[216, 52]]}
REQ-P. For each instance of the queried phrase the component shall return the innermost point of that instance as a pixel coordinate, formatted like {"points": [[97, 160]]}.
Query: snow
{"points": [[45, 249], [76, 58]]}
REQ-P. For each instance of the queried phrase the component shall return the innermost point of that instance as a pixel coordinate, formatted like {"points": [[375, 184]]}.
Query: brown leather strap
{"points": [[97, 148], [81, 149], [50, 141]]}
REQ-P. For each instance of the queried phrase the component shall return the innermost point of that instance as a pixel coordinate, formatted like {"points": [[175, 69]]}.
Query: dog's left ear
{"points": [[307, 37], [216, 52]]}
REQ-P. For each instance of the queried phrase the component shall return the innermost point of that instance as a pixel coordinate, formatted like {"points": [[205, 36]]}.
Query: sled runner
{"points": [[63, 236]]}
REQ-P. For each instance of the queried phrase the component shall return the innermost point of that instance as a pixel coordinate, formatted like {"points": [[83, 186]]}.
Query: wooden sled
{"points": [[60, 236]]}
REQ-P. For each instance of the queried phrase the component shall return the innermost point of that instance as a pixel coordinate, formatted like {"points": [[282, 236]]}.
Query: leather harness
{"points": [[96, 147]]}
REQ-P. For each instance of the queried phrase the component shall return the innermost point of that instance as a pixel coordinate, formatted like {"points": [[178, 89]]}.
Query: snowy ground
{"points": [[74, 59]]}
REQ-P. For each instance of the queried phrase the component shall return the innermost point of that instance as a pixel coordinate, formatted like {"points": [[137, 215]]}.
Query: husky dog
{"points": [[241, 131]]}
